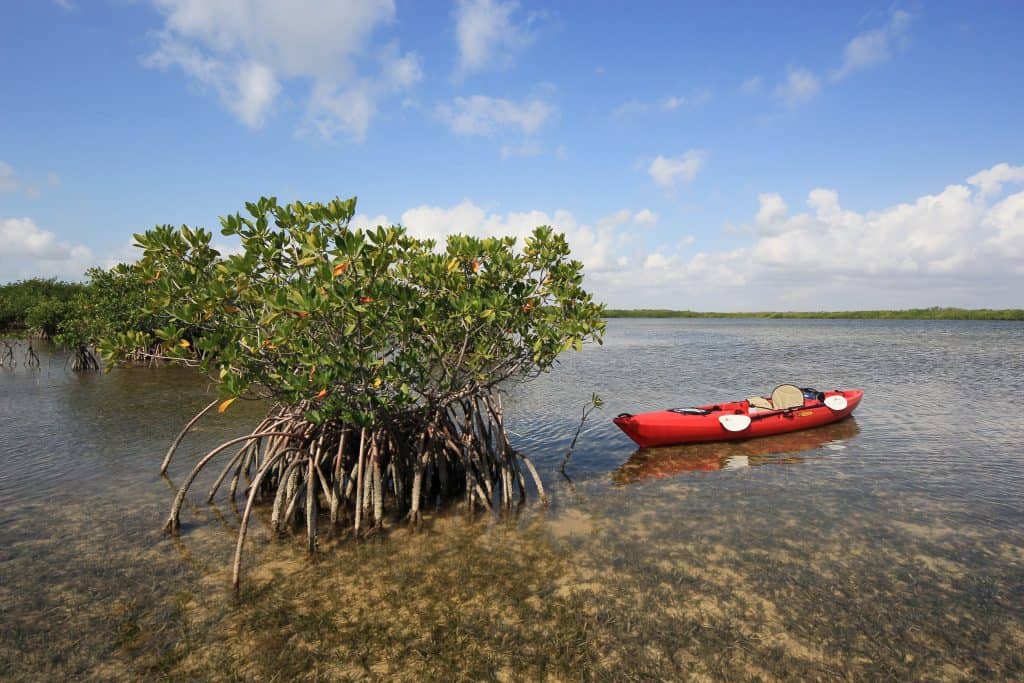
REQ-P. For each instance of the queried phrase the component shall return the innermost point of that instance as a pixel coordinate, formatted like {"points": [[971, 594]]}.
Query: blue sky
{"points": [[708, 156]]}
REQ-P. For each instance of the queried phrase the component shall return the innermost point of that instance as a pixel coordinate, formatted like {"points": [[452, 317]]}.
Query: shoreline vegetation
{"points": [[933, 313], [43, 307]]}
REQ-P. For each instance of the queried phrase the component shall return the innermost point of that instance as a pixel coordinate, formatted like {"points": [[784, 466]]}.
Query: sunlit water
{"points": [[890, 545]]}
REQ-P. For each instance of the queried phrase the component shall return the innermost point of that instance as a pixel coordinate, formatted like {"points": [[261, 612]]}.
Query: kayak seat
{"points": [[759, 402], [786, 396]]}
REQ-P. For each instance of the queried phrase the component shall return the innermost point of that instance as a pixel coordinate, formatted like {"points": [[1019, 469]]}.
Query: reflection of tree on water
{"points": [[667, 461]]}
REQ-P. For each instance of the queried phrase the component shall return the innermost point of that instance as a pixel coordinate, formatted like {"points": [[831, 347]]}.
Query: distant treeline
{"points": [[934, 313], [38, 305]]}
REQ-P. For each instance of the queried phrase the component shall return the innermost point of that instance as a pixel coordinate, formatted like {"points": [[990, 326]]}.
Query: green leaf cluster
{"points": [[37, 304], [354, 324]]}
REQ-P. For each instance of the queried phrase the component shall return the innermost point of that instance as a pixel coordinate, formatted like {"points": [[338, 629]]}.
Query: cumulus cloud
{"points": [[962, 245], [483, 115], [990, 181], [772, 208], [488, 35], [26, 250], [670, 171], [596, 246], [873, 47], [655, 261], [959, 246], [247, 51]]}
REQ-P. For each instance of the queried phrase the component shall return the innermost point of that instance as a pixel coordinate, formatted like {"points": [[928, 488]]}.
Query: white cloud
{"points": [[26, 250], [248, 51], [1006, 222], [645, 217], [873, 47], [655, 261], [956, 247], [615, 220], [668, 172], [990, 181], [961, 246], [772, 208], [594, 246], [483, 115], [334, 110], [364, 222], [487, 35], [256, 87], [799, 87]]}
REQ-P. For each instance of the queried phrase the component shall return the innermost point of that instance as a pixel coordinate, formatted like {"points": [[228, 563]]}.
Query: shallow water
{"points": [[890, 545]]}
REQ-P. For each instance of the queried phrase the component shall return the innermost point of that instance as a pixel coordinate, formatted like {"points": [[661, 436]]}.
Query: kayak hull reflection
{"points": [[661, 462]]}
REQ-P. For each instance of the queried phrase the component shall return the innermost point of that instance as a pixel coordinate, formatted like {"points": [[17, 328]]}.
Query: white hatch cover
{"points": [[735, 423], [836, 402]]}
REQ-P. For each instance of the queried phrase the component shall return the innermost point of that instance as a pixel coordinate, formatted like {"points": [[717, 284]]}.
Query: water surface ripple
{"points": [[886, 546]]}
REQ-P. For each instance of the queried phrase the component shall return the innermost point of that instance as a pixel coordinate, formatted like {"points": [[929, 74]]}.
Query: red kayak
{"points": [[789, 409]]}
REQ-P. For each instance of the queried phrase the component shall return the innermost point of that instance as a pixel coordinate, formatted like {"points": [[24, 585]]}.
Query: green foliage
{"points": [[17, 298], [47, 316], [114, 305], [354, 324], [933, 313]]}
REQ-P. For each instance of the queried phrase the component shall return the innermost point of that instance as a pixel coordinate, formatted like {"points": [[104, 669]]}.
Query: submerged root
{"points": [[7, 356], [84, 360], [360, 475], [31, 358]]}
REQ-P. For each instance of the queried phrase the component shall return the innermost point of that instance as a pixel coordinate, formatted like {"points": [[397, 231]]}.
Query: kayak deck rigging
{"points": [[789, 409]]}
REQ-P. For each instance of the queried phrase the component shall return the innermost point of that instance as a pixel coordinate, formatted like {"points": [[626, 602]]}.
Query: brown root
{"points": [[363, 475]]}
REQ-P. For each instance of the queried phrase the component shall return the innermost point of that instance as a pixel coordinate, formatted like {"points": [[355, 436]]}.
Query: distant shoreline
{"points": [[935, 313]]}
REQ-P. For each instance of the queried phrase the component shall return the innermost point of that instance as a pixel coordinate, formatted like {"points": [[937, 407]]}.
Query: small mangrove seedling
{"points": [[595, 403]]}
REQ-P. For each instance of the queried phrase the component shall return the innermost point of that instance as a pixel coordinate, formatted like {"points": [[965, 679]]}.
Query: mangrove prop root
{"points": [[7, 357], [363, 475], [181, 435], [260, 474], [172, 520], [84, 360]]}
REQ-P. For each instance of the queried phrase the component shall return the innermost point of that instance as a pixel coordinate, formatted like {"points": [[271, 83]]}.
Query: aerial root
{"points": [[359, 475]]}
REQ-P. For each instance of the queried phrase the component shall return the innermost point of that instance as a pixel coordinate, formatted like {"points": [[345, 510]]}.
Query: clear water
{"points": [[890, 545]]}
